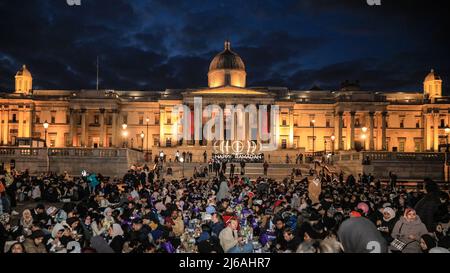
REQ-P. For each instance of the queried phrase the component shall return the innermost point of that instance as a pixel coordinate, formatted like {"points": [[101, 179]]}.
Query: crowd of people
{"points": [[222, 213]]}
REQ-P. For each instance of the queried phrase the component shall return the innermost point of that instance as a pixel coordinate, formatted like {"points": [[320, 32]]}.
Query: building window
{"points": [[125, 119], [67, 118], [14, 118], [357, 122], [67, 140], [141, 120], [37, 119], [110, 141], [328, 123], [418, 145], [109, 120], [417, 123], [295, 120], [156, 141], [169, 118], [53, 117], [283, 143], [156, 119], [310, 143], [402, 123], [401, 144], [168, 142], [442, 123], [96, 120], [284, 121]]}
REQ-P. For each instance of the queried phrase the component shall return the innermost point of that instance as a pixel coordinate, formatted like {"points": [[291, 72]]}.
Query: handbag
{"points": [[397, 244]]}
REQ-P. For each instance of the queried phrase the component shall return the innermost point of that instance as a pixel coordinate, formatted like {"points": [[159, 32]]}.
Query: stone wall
{"points": [[407, 166], [109, 162]]}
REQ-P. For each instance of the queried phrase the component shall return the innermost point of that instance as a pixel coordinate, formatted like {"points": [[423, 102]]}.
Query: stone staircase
{"points": [[277, 171]]}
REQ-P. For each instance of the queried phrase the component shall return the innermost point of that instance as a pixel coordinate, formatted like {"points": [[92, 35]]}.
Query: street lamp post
{"points": [[182, 161], [325, 146], [314, 136], [333, 138], [364, 137], [45, 145], [314, 142], [147, 120], [142, 138], [45, 132], [447, 132], [124, 133]]}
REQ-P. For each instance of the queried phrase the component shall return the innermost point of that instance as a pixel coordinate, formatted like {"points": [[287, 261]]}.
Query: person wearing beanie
{"points": [[427, 242], [360, 235]]}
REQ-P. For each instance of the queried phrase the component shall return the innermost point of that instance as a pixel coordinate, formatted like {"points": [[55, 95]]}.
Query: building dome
{"points": [[227, 68], [432, 76], [227, 59], [23, 72]]}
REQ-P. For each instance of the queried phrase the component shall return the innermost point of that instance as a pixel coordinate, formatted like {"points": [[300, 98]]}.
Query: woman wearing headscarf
{"points": [[408, 229], [26, 221], [116, 239], [387, 223], [54, 244], [224, 191]]}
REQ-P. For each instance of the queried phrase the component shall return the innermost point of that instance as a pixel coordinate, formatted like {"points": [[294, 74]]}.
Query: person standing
{"points": [[231, 170], [205, 157], [266, 167]]}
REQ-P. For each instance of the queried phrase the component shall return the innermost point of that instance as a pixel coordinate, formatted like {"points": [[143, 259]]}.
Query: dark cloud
{"points": [[153, 45]]}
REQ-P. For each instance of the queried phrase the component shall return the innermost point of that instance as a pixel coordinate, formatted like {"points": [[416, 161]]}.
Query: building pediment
{"points": [[228, 90]]}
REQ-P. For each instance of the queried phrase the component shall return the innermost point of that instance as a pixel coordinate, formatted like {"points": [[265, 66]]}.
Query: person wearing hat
{"points": [[34, 243]]}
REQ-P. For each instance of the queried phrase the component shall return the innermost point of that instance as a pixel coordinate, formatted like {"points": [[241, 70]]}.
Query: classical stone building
{"points": [[357, 119]]}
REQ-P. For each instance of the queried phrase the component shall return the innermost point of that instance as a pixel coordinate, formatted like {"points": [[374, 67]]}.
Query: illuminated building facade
{"points": [[348, 118]]}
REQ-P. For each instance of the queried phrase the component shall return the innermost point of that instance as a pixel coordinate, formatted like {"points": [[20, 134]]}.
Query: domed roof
{"points": [[23, 72], [227, 59], [432, 76]]}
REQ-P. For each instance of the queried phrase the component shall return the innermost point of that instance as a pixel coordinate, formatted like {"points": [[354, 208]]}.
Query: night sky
{"points": [[154, 45]]}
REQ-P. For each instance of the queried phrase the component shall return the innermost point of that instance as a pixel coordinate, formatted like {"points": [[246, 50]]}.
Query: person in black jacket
{"points": [[291, 241], [427, 208], [116, 240]]}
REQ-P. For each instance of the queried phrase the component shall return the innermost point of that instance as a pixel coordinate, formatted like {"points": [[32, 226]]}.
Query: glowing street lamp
{"points": [[142, 138], [333, 138], [45, 132], [124, 135]]}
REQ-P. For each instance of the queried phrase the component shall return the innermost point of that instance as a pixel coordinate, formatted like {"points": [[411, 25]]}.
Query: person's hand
{"points": [[240, 239], [378, 222], [412, 237]]}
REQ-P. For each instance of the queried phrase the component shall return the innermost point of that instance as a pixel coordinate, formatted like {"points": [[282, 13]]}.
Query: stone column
{"points": [[291, 128], [20, 121], [352, 130], [162, 121], [1, 125], [339, 132], [72, 132], [436, 132], [84, 136], [6, 127], [372, 136], [114, 129], [428, 136], [383, 131], [102, 128]]}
